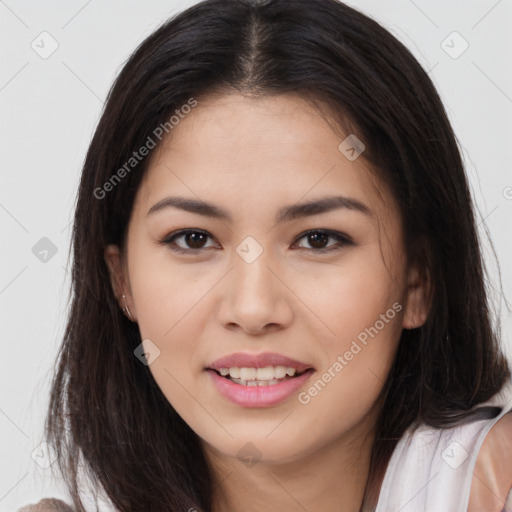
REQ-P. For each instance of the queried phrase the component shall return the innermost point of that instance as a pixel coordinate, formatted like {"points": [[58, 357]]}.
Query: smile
{"points": [[267, 376], [253, 392]]}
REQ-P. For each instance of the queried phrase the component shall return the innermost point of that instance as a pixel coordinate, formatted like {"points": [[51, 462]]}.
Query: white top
{"points": [[431, 470]]}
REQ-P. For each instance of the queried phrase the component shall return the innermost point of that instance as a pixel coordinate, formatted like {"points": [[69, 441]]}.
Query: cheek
{"points": [[351, 296], [166, 294], [346, 388], [170, 313], [360, 307]]}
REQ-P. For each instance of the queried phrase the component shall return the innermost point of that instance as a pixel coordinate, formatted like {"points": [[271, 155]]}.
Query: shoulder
{"points": [[492, 476], [47, 505]]}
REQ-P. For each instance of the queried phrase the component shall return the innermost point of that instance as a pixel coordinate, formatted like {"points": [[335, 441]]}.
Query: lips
{"points": [[251, 396], [248, 360], [258, 380]]}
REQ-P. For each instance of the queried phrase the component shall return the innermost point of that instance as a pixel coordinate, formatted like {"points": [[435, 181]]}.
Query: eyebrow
{"points": [[286, 213]]}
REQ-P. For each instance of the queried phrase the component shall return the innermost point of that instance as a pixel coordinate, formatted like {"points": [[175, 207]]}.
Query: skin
{"points": [[491, 487], [252, 157]]}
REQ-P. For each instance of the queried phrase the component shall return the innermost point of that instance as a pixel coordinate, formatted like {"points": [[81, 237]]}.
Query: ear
{"points": [[119, 279], [417, 298]]}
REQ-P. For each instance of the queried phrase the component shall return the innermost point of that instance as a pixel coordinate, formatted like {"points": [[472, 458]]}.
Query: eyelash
{"points": [[342, 239]]}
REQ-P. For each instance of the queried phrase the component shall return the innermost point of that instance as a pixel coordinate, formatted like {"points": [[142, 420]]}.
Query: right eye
{"points": [[194, 238]]}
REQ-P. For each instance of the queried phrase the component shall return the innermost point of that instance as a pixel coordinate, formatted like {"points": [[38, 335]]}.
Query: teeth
{"points": [[256, 382], [280, 372], [266, 374], [234, 372], [246, 373]]}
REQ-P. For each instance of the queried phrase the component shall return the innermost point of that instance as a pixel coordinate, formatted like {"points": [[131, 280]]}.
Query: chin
{"points": [[251, 449]]}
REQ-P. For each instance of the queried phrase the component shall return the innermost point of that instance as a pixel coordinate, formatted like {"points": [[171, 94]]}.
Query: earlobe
{"points": [[418, 299]]}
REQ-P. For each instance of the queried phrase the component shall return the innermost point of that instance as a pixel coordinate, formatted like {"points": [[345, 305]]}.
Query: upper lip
{"points": [[248, 360]]}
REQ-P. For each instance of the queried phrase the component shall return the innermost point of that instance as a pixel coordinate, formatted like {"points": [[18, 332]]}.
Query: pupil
{"points": [[195, 240], [318, 239]]}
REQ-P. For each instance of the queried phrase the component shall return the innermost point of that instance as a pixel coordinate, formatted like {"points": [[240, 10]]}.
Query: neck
{"points": [[331, 478]]}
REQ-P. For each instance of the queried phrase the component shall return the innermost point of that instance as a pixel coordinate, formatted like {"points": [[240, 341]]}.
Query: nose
{"points": [[255, 298]]}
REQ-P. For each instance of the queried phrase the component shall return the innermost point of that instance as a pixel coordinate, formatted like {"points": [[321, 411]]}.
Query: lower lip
{"points": [[258, 396]]}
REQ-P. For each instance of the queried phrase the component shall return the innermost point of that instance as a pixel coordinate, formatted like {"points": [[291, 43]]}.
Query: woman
{"points": [[278, 291]]}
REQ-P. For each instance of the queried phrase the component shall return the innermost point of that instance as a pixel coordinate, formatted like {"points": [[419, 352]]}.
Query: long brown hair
{"points": [[106, 414]]}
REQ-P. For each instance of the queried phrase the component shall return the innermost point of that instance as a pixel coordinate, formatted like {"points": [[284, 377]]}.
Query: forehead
{"points": [[256, 152]]}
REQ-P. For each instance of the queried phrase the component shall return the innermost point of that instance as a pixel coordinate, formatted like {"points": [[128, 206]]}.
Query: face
{"points": [[260, 274]]}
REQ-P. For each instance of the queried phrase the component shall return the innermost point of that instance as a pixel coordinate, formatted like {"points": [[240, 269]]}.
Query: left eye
{"points": [[317, 239], [195, 240]]}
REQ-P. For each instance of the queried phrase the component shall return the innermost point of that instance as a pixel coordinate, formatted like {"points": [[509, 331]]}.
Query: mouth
{"points": [[266, 376], [260, 386]]}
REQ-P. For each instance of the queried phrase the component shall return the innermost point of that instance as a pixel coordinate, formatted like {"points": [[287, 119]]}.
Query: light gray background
{"points": [[49, 108]]}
